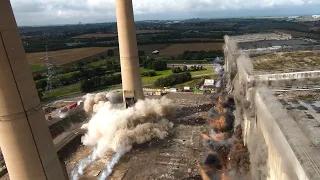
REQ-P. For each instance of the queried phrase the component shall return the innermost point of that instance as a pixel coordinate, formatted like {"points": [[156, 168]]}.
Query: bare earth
{"points": [[65, 56]]}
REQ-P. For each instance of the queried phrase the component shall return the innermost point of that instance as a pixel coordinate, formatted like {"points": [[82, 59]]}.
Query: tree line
{"points": [[197, 55], [173, 79], [89, 85], [186, 69]]}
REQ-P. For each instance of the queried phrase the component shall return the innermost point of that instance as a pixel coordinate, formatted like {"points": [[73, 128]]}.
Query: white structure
{"points": [[155, 52], [208, 83]]}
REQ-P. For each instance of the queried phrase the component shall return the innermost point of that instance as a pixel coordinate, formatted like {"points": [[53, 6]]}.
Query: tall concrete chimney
{"points": [[130, 68], [25, 140]]}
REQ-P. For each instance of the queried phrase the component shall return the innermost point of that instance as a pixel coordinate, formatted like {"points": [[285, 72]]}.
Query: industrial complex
{"points": [[257, 119]]}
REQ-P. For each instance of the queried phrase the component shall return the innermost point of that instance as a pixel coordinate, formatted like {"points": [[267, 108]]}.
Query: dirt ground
{"points": [[176, 49], [175, 157], [65, 56]]}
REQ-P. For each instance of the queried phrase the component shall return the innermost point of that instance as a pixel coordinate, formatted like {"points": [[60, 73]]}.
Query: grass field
{"points": [[67, 90], [186, 61], [35, 68], [176, 49], [65, 56], [149, 80], [194, 82], [207, 71], [101, 62]]}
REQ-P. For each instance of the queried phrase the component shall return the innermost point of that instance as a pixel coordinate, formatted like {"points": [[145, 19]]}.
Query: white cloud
{"points": [[52, 11]]}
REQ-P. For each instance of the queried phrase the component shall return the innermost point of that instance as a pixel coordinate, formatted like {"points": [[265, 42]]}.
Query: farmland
{"points": [[65, 56], [103, 35], [301, 34], [83, 36], [145, 31], [151, 47], [175, 49]]}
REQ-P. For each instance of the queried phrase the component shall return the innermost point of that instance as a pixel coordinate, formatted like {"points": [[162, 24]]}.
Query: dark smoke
{"points": [[212, 160]]}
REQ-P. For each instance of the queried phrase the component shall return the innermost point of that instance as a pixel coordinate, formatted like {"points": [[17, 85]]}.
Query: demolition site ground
{"points": [[175, 157]]}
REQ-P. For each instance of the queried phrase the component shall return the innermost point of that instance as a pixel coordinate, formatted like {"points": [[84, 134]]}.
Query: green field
{"points": [[195, 81], [154, 78], [102, 62], [67, 90], [207, 71], [149, 80], [72, 89], [35, 68], [186, 61]]}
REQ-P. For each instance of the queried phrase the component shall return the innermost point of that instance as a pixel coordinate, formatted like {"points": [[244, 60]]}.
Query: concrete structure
{"points": [[287, 150], [130, 69], [25, 140]]}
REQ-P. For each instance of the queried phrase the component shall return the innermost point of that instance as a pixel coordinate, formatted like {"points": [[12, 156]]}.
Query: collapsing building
{"points": [[282, 145]]}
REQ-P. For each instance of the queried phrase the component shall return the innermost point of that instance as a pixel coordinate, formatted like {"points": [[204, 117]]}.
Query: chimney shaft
{"points": [[25, 140], [130, 68]]}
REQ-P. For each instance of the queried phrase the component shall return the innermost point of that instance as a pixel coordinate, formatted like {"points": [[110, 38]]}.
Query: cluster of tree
{"points": [[151, 63], [197, 55], [195, 68], [185, 68], [178, 69], [173, 79], [82, 74], [91, 84], [149, 73]]}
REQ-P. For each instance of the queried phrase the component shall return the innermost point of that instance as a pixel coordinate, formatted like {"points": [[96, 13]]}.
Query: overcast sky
{"points": [[49, 12]]}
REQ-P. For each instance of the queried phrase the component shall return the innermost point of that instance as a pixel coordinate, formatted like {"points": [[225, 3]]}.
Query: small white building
{"points": [[208, 83], [155, 52], [186, 89]]}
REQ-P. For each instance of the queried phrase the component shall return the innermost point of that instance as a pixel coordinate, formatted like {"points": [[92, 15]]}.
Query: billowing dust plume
{"points": [[94, 101], [117, 129]]}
